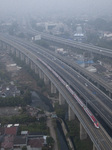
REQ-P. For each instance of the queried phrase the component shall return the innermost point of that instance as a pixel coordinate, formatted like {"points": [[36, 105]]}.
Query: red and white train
{"points": [[87, 111]]}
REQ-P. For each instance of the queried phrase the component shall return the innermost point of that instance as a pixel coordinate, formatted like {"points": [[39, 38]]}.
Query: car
{"points": [[86, 84]]}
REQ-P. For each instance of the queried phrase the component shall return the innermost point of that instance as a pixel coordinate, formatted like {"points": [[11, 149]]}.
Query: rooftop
{"points": [[7, 142], [20, 140], [11, 130], [36, 143]]}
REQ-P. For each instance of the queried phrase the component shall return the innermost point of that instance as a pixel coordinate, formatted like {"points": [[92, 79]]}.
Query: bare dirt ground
{"points": [[52, 130]]}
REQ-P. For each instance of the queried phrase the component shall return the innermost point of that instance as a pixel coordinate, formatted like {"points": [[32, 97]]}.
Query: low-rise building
{"points": [[35, 143], [9, 140], [19, 142]]}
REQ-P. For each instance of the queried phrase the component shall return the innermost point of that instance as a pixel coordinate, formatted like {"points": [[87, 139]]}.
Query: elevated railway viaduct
{"points": [[99, 137]]}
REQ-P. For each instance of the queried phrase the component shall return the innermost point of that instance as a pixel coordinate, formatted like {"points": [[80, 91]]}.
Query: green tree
{"points": [[61, 110], [24, 148], [50, 141]]}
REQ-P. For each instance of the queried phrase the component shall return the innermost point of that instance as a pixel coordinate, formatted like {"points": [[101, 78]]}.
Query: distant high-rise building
{"points": [[79, 29], [78, 36]]}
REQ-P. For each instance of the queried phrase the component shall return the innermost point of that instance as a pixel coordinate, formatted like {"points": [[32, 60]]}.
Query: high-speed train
{"points": [[87, 111]]}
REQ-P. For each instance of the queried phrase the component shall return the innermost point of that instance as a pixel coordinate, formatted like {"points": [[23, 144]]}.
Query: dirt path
{"points": [[52, 132]]}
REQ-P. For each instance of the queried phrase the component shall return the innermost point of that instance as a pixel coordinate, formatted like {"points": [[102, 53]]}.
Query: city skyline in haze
{"points": [[97, 7]]}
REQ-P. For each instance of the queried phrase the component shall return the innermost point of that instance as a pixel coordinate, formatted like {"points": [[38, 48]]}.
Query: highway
{"points": [[98, 136], [102, 106], [82, 46], [69, 42], [99, 101], [92, 77], [102, 140]]}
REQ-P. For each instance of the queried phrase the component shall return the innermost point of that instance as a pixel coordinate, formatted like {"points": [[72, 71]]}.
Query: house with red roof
{"points": [[11, 141], [11, 130], [8, 138], [35, 143]]}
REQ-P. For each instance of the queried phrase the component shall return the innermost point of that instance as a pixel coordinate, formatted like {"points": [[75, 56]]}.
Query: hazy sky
{"points": [[80, 6]]}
